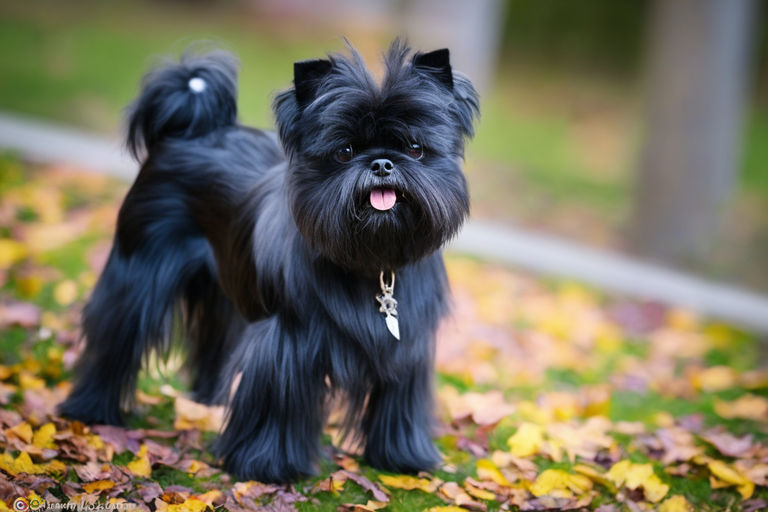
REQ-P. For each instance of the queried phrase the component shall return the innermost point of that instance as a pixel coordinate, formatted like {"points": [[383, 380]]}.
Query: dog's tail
{"points": [[185, 100]]}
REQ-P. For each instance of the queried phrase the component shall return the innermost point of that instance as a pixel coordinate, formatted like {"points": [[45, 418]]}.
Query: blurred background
{"points": [[636, 126]]}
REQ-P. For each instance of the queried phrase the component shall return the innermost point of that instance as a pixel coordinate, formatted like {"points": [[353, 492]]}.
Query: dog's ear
{"points": [[436, 64], [307, 75], [466, 104]]}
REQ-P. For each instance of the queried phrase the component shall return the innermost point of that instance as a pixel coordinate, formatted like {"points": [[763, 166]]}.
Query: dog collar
{"points": [[389, 304]]}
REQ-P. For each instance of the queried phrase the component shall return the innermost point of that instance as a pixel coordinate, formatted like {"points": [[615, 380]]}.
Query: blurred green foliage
{"points": [[602, 34]]}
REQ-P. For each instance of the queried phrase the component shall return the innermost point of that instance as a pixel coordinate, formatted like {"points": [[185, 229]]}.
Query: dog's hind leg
{"points": [[214, 329], [128, 314]]}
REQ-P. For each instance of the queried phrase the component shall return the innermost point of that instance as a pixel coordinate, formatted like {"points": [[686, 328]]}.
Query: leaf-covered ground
{"points": [[551, 396]]}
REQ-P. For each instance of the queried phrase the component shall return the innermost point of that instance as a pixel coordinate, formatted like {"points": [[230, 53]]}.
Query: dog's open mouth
{"points": [[383, 198]]}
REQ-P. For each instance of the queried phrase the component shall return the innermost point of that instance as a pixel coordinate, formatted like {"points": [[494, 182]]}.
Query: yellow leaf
{"points": [[559, 483], [623, 470], [731, 476], [196, 466], [593, 474], [526, 441], [748, 407], [65, 292], [530, 411], [29, 286], [682, 319], [98, 486], [11, 251], [189, 505], [487, 470], [6, 372], [371, 505], [21, 431], [655, 489], [29, 381], [43, 438], [140, 465], [478, 493], [209, 497], [409, 483], [21, 464], [634, 476], [715, 378], [190, 414], [449, 508], [675, 503]]}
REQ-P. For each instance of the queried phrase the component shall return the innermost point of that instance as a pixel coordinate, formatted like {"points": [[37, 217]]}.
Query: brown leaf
{"points": [[23, 314], [728, 444], [191, 414], [148, 491], [377, 492], [248, 491], [93, 471], [457, 495]]}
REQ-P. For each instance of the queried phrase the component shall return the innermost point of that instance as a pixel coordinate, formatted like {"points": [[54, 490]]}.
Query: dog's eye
{"points": [[415, 150], [345, 154]]}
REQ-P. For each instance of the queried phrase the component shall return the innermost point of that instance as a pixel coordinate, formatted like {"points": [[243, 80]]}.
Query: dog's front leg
{"points": [[398, 422], [275, 418]]}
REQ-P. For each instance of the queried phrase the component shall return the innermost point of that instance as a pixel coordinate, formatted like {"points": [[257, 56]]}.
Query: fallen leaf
{"points": [[730, 476], [378, 494], [410, 483], [454, 492], [65, 293], [675, 503], [560, 483], [23, 464], [188, 505], [526, 441], [43, 438], [140, 465], [483, 408], [634, 476], [98, 486], [749, 406], [487, 470], [715, 378], [22, 431], [728, 444], [190, 414], [23, 314], [11, 251]]}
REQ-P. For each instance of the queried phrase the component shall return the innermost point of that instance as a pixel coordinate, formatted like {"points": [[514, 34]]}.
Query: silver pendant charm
{"points": [[389, 305]]}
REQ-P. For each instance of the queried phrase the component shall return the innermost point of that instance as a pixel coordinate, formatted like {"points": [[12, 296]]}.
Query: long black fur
{"points": [[271, 254]]}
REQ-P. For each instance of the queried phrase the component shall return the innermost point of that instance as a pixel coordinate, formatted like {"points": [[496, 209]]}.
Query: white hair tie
{"points": [[196, 85]]}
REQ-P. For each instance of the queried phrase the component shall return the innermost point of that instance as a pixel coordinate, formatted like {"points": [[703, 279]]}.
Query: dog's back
{"points": [[198, 165]]}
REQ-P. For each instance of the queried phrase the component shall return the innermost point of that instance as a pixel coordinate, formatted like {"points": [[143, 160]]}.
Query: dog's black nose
{"points": [[382, 167]]}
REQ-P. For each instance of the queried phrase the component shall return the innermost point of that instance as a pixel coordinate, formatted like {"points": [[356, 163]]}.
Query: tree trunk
{"points": [[698, 66]]}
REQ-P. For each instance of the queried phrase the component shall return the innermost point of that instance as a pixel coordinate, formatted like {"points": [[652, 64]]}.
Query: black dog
{"points": [[279, 261]]}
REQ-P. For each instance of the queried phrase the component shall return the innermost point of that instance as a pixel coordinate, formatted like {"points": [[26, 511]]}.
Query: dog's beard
{"points": [[335, 208]]}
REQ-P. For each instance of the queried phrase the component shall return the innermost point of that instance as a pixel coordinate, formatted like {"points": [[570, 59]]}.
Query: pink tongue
{"points": [[383, 198]]}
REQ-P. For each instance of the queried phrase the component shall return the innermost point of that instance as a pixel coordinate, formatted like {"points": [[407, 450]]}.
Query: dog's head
{"points": [[374, 176]]}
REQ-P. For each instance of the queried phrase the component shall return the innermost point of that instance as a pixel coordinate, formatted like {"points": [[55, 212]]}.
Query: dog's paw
{"points": [[408, 455], [91, 409], [256, 461]]}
